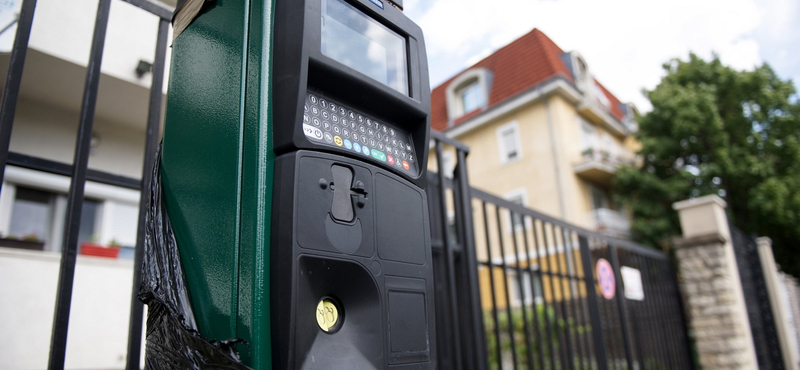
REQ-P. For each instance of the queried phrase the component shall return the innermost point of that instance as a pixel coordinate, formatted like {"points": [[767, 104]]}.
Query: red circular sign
{"points": [[605, 279]]}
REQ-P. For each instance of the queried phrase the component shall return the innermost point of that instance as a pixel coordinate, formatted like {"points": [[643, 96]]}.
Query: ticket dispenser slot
{"points": [[351, 266]]}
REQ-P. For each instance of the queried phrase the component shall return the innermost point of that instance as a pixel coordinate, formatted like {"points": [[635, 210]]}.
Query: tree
{"points": [[716, 130]]}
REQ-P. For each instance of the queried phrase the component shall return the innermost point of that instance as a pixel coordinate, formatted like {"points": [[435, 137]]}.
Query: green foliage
{"points": [[715, 130], [546, 319]]}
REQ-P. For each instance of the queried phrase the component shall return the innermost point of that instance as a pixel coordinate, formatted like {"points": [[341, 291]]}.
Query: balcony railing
{"points": [[599, 166], [609, 222]]}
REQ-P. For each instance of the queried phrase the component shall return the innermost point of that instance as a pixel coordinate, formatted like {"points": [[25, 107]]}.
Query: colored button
{"points": [[338, 140], [379, 155], [405, 165], [348, 144], [391, 159], [357, 147], [365, 150]]}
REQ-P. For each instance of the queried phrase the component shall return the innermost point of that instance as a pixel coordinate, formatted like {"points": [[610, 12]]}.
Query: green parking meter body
{"points": [[294, 172]]}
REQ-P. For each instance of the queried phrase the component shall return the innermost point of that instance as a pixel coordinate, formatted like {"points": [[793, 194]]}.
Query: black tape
{"points": [[180, 5], [172, 339]]}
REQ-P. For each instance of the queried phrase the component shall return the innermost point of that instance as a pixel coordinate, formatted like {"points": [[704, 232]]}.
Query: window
{"points": [[31, 215], [588, 135], [38, 215], [529, 294], [472, 97], [599, 198], [468, 92], [508, 142], [517, 197]]}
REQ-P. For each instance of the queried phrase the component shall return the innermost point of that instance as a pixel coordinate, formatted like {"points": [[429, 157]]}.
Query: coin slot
{"points": [[329, 315]]}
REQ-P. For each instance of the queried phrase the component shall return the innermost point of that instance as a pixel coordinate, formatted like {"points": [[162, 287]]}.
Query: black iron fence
{"points": [[78, 170], [757, 301], [517, 289]]}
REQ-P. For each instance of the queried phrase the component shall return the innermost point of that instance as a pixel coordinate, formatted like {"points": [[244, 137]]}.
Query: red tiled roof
{"points": [[516, 67]]}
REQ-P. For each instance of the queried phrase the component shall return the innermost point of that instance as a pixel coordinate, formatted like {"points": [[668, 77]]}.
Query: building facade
{"points": [[543, 132], [33, 203]]}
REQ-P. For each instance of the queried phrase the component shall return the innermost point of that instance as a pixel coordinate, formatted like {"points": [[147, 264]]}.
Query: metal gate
{"points": [[517, 289], [756, 299], [78, 170]]}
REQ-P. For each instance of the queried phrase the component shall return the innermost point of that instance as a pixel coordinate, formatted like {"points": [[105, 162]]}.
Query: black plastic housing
{"points": [[299, 67], [376, 264]]}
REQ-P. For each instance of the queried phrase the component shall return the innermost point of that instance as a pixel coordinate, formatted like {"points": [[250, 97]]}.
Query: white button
{"points": [[312, 132]]}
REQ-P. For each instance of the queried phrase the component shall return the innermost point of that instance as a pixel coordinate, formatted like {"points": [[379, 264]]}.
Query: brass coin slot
{"points": [[328, 317]]}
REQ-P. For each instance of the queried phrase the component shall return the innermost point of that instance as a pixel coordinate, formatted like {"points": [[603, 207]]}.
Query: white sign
{"points": [[632, 282]]}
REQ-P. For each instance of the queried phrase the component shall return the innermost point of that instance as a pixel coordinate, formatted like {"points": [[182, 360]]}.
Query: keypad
{"points": [[334, 125]]}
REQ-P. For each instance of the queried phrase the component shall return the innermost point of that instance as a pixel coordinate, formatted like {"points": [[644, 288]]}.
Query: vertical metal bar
{"points": [[505, 282], [584, 311], [665, 324], [621, 307], [572, 276], [556, 274], [672, 278], [656, 326], [594, 307], [58, 344], [8, 106], [448, 244], [539, 340], [570, 364], [470, 256], [549, 325], [151, 144], [521, 282], [491, 282]]}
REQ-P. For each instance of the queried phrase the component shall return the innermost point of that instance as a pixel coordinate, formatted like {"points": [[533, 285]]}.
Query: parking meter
{"points": [[295, 151]]}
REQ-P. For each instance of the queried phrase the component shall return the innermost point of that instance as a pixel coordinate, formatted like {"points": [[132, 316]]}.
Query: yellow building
{"points": [[544, 133]]}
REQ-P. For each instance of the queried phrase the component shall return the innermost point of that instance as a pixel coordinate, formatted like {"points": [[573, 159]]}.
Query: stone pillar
{"points": [[711, 287]]}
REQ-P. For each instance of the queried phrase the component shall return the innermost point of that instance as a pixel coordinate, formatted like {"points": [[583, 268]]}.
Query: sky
{"points": [[624, 42]]}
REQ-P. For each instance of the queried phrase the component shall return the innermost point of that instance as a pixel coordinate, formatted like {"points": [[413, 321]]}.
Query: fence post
{"points": [[778, 303], [714, 302]]}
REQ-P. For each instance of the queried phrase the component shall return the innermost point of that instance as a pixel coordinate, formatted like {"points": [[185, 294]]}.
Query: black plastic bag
{"points": [[172, 339]]}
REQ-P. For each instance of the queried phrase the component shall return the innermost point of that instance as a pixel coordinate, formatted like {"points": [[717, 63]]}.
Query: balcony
{"points": [[599, 166], [609, 222]]}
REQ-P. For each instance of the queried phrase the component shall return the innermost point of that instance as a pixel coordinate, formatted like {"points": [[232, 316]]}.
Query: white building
{"points": [[33, 203]]}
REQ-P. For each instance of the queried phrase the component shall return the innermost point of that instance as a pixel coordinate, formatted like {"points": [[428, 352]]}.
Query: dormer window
{"points": [[467, 93], [472, 97]]}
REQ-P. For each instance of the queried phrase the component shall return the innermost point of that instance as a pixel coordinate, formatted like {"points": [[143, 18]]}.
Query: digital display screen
{"points": [[352, 38]]}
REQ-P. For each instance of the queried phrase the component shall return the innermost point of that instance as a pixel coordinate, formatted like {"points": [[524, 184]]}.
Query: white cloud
{"points": [[625, 42]]}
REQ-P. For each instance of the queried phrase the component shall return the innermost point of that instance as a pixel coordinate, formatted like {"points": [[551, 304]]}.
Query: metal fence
{"points": [[757, 301], [78, 170], [517, 289]]}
